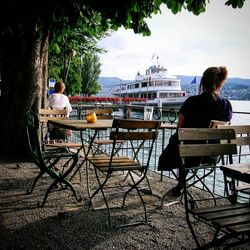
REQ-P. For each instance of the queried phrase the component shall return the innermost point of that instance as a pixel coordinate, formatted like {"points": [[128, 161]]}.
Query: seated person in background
{"points": [[197, 112], [59, 101]]}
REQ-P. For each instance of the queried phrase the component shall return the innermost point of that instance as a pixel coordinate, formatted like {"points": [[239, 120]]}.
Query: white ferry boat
{"points": [[157, 87]]}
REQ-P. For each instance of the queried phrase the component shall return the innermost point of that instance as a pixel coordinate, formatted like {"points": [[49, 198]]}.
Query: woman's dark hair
{"points": [[59, 87], [212, 79]]}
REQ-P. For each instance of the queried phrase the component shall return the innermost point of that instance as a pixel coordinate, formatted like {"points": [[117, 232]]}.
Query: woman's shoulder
{"points": [[195, 98], [225, 103], [65, 97], [223, 99]]}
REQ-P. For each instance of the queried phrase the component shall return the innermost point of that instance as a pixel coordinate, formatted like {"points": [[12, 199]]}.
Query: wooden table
{"points": [[83, 125], [237, 172], [79, 125]]}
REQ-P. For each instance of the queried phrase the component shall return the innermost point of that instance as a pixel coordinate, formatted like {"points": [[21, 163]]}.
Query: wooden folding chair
{"points": [[230, 220], [239, 189], [47, 160], [55, 114], [213, 124], [140, 137]]}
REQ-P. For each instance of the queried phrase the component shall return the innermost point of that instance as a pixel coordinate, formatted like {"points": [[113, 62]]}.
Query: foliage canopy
{"points": [[59, 16], [26, 29]]}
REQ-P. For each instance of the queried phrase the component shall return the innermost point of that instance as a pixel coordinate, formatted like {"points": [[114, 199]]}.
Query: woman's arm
{"points": [[181, 120]]}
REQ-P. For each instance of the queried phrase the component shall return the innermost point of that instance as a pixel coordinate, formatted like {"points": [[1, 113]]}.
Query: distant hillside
{"points": [[108, 82]]}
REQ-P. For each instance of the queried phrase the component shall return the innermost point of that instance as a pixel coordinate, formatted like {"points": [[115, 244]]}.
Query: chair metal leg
{"points": [[54, 184], [100, 188], [150, 189], [47, 193], [61, 179], [29, 191], [66, 182], [135, 186], [203, 183]]}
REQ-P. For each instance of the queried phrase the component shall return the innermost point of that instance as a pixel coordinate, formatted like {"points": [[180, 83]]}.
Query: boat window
{"points": [[170, 95], [167, 83], [158, 83], [176, 83]]}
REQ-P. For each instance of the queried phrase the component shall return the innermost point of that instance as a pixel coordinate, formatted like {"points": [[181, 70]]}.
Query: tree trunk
{"points": [[23, 87]]}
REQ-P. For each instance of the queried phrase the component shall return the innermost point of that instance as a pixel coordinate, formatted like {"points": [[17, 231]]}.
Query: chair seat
{"points": [[63, 145], [233, 217], [221, 212], [107, 141], [119, 163]]}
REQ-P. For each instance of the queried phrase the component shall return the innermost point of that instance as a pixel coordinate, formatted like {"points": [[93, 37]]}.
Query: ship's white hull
{"points": [[164, 102], [157, 87]]}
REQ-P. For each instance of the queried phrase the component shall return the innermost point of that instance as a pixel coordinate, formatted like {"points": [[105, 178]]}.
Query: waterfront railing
{"points": [[166, 115]]}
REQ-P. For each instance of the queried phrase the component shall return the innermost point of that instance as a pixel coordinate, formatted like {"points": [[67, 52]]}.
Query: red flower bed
{"points": [[77, 99]]}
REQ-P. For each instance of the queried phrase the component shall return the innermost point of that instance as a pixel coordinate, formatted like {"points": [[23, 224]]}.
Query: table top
{"points": [[99, 124], [239, 171], [81, 124]]}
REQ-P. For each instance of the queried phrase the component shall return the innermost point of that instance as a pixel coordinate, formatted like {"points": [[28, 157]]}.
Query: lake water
{"points": [[238, 119], [240, 106]]}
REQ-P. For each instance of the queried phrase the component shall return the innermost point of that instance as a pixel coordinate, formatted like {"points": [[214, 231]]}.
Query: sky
{"points": [[184, 43]]}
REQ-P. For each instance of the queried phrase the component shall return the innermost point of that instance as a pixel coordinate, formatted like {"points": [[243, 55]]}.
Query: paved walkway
{"points": [[65, 224]]}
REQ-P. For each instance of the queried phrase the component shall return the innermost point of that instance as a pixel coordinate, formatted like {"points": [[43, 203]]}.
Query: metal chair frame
{"points": [[138, 134], [229, 220], [47, 160]]}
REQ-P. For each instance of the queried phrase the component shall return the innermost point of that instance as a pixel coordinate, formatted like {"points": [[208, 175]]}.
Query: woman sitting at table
{"points": [[59, 101], [197, 112]]}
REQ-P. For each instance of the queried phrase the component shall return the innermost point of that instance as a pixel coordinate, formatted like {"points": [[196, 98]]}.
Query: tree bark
{"points": [[23, 87]]}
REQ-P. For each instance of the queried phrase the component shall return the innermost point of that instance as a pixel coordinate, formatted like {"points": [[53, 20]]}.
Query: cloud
{"points": [[185, 43]]}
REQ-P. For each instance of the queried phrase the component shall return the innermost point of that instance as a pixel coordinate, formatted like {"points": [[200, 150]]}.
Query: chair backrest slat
{"points": [[45, 114], [205, 142], [195, 134], [240, 129], [101, 114], [242, 139], [136, 124], [216, 123], [133, 135], [242, 134], [52, 111], [206, 149]]}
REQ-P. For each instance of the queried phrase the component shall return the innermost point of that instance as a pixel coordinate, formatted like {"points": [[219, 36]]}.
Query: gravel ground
{"points": [[64, 223]]}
